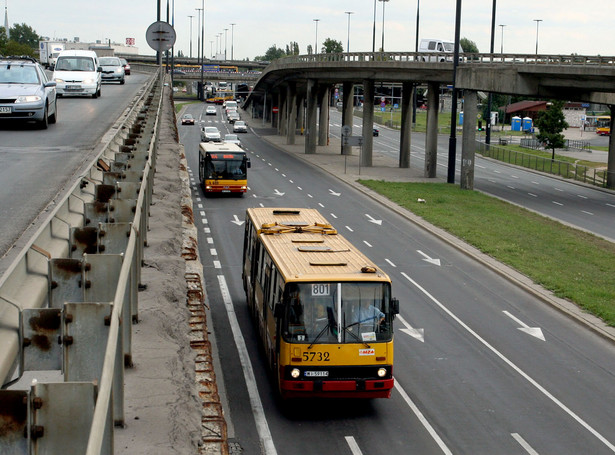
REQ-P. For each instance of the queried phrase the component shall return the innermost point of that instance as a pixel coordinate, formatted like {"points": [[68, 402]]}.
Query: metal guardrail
{"points": [[76, 282]]}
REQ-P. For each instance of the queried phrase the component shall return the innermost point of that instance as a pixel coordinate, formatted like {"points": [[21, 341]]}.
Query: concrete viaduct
{"points": [[289, 83]]}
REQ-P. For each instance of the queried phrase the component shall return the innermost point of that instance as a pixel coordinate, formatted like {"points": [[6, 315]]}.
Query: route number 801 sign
{"points": [[321, 289]]}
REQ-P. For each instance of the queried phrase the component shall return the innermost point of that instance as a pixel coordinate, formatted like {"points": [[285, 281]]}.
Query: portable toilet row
{"points": [[522, 124]]}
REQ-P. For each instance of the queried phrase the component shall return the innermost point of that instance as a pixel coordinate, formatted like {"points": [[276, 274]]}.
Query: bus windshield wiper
{"points": [[321, 333]]}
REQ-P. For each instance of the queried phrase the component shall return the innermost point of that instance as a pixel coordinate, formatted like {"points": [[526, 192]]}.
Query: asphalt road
{"points": [[481, 367], [36, 166]]}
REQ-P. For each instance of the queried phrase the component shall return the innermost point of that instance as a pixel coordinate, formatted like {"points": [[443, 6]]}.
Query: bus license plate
{"points": [[5, 110], [316, 374]]}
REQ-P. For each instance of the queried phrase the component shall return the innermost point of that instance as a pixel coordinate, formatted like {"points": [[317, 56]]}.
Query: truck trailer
{"points": [[48, 53]]}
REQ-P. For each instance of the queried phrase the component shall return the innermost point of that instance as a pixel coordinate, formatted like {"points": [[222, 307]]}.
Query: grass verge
{"points": [[574, 265]]}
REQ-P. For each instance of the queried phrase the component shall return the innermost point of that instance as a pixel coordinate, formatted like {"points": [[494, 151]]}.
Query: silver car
{"points": [[210, 134], [26, 93], [112, 69]]}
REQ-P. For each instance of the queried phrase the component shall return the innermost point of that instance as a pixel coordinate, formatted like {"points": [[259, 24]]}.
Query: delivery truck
{"points": [[48, 53]]}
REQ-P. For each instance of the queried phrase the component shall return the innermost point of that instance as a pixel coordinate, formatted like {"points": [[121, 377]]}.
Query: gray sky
{"points": [[567, 26]]}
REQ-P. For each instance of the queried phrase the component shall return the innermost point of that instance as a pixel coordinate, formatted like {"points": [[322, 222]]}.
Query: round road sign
{"points": [[160, 36]]}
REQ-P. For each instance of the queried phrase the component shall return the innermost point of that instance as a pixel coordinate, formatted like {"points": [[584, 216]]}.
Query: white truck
{"points": [[48, 53], [439, 50]]}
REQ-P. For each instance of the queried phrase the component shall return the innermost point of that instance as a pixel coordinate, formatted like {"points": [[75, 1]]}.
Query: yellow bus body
{"points": [[217, 163]]}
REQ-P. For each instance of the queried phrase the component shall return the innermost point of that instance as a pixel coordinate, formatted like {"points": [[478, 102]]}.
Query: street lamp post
{"points": [[198, 38], [490, 97], [316, 42], [383, 3], [202, 53], [190, 35], [211, 48], [502, 39], [225, 30], [348, 45], [374, 31], [538, 21], [232, 39], [452, 142]]}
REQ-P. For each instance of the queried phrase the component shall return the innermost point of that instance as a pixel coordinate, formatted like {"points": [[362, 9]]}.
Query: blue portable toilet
{"points": [[527, 124], [516, 124], [461, 118]]}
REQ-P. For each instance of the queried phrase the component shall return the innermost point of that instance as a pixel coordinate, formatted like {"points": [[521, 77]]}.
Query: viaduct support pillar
{"points": [[347, 112], [468, 145], [610, 167], [406, 124], [311, 131], [301, 113], [282, 113], [368, 123], [431, 138], [323, 120], [291, 107]]}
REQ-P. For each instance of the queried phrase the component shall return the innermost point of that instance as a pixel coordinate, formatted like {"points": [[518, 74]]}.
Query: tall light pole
{"points": [[348, 45], [490, 97], [217, 44], [202, 53], [225, 30], [232, 39], [374, 31], [538, 21], [316, 42], [416, 40], [190, 35], [452, 141], [383, 3], [198, 37], [502, 39], [211, 48]]}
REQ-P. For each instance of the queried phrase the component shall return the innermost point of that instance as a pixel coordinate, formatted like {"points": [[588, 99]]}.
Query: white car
{"points": [[210, 110], [240, 127], [210, 134], [232, 139]]}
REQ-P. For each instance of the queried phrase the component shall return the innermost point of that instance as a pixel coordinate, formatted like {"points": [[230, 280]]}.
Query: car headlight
{"points": [[88, 81], [295, 373], [382, 372], [27, 99], [58, 80]]}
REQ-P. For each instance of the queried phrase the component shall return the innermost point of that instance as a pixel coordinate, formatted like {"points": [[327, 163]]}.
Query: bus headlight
{"points": [[382, 372], [295, 373]]}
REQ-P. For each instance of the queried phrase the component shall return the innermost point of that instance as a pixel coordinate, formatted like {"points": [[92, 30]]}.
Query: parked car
{"points": [[240, 127], [112, 69], [126, 66], [210, 110], [210, 134], [232, 139], [26, 93], [187, 119], [376, 132]]}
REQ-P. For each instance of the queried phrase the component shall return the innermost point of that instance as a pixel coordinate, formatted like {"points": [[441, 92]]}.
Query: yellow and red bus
{"points": [[324, 311], [223, 168], [603, 125]]}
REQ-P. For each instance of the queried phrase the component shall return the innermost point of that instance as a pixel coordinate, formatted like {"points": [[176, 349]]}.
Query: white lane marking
{"points": [[558, 189], [349, 228], [354, 447], [390, 263], [528, 448], [533, 331], [367, 243], [586, 212], [262, 426], [557, 203], [333, 215], [581, 196], [423, 420], [321, 205], [419, 334], [207, 230], [217, 265], [213, 252], [202, 213], [523, 374], [511, 187], [204, 220], [299, 188], [610, 205], [210, 240], [532, 194]]}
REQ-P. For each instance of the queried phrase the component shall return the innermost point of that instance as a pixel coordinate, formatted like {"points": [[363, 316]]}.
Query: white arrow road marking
{"points": [[333, 193], [277, 192], [237, 221], [429, 259], [372, 220], [534, 331], [528, 448], [419, 334]]}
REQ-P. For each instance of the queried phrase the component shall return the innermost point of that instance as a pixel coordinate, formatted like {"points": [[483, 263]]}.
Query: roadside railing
{"points": [[68, 301]]}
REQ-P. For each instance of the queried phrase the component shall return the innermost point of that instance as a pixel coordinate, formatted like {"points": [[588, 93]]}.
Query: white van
{"points": [[77, 72], [438, 46]]}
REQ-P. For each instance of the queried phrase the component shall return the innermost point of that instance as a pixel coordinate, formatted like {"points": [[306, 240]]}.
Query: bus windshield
{"points": [[338, 312], [225, 167]]}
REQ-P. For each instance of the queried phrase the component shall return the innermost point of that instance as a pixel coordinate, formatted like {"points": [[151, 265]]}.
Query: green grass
{"points": [[573, 264]]}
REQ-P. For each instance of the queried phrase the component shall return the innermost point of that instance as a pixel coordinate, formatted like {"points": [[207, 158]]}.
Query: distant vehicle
{"points": [[603, 125], [240, 127], [223, 168], [48, 53], [126, 66], [187, 119], [233, 116], [376, 132], [176, 71], [210, 134], [232, 139], [112, 69], [440, 50], [77, 73], [210, 110], [26, 93]]}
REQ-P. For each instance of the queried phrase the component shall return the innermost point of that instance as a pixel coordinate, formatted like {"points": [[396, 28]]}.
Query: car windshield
{"points": [[211, 130], [188, 116], [75, 64], [231, 137], [18, 74], [240, 124], [109, 61]]}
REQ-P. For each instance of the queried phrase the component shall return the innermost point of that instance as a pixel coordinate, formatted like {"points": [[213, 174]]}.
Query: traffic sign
{"points": [[160, 36], [274, 109], [346, 130]]}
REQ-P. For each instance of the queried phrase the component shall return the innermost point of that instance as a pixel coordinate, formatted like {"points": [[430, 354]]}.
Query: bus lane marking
{"points": [[528, 448], [354, 447], [514, 367]]}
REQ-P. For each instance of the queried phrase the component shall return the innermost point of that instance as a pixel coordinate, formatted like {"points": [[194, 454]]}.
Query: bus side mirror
{"points": [[394, 306], [249, 164], [278, 310]]}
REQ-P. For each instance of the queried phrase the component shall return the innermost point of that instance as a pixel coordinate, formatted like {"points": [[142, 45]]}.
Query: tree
{"points": [[24, 34], [468, 46], [292, 48], [550, 124], [310, 49], [330, 46], [273, 53]]}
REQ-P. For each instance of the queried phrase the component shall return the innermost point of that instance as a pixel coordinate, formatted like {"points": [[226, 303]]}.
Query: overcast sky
{"points": [[568, 26]]}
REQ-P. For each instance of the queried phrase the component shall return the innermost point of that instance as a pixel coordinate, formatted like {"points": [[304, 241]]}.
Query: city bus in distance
{"points": [[323, 310], [223, 168], [603, 125]]}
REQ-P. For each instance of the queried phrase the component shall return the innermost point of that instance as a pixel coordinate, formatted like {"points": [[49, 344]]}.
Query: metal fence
{"points": [[67, 303], [593, 176]]}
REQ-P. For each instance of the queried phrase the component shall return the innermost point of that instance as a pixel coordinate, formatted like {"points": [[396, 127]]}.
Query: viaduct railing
{"points": [[68, 301]]}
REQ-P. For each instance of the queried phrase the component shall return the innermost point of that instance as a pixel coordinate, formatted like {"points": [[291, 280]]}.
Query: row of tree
{"points": [[23, 40]]}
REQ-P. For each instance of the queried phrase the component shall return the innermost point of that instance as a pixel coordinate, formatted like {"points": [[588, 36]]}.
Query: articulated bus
{"points": [[223, 168], [324, 311]]}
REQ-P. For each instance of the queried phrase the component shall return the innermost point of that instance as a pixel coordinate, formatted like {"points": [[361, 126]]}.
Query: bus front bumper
{"points": [[368, 388]]}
